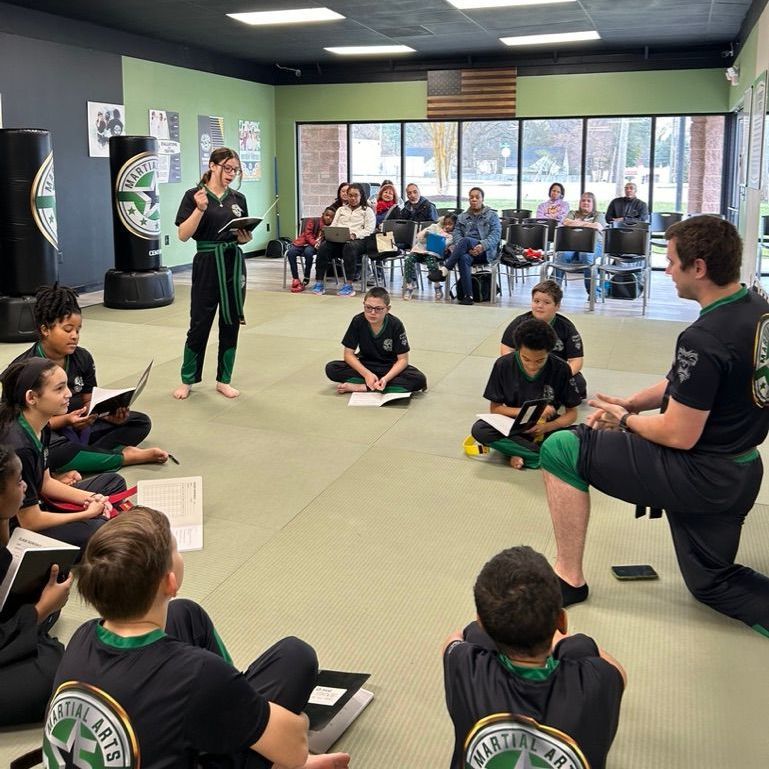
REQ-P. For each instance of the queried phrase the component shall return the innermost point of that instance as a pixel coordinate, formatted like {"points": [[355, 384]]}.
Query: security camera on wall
{"points": [[733, 75]]}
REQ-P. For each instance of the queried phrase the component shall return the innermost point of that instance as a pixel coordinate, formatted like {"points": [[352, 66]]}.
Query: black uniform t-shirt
{"points": [[80, 368], [581, 696], [713, 371], [568, 340], [510, 385], [377, 351], [32, 453], [220, 211], [153, 695]]}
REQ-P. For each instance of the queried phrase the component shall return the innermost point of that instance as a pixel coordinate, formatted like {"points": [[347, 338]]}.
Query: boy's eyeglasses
{"points": [[370, 308], [230, 169]]}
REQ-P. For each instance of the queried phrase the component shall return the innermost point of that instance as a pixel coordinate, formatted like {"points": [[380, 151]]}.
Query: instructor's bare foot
{"points": [[350, 387], [136, 456], [227, 390], [328, 761], [182, 392], [516, 463]]}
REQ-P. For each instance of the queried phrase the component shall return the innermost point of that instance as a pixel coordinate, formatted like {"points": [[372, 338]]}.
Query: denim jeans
{"points": [[293, 252], [580, 257], [461, 254]]}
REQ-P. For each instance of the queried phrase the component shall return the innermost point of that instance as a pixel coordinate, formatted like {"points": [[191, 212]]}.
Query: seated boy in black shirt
{"points": [[513, 677], [152, 678], [382, 359], [545, 303], [530, 373]]}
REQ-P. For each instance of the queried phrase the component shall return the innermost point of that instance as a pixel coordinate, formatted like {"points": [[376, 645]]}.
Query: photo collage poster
{"points": [[250, 149], [210, 136], [104, 120], [164, 126]]}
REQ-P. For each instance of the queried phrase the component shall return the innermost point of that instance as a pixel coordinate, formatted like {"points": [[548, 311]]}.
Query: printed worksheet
{"points": [[181, 500]]}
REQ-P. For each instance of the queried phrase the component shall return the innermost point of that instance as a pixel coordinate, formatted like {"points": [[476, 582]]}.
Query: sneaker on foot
{"points": [[408, 291], [466, 300], [319, 288], [438, 293], [296, 286], [346, 290]]}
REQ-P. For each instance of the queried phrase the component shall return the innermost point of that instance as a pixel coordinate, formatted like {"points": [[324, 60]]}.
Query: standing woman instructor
{"points": [[218, 270]]}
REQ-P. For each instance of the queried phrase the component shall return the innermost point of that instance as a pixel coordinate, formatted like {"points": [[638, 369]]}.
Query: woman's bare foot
{"points": [[136, 456], [516, 463], [182, 392], [71, 477], [227, 390], [328, 761], [350, 387]]}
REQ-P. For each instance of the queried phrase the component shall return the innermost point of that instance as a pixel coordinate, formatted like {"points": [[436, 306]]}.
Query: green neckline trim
{"points": [[210, 194], [381, 330], [27, 427], [742, 291], [523, 371], [529, 673], [41, 354], [131, 642]]}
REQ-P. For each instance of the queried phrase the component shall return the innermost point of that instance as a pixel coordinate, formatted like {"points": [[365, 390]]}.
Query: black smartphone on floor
{"points": [[639, 571]]}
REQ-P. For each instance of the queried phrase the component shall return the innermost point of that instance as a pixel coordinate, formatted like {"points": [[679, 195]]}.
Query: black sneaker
{"points": [[466, 300]]}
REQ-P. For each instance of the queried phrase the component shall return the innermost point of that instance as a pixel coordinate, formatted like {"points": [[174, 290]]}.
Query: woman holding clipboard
{"points": [[218, 269]]}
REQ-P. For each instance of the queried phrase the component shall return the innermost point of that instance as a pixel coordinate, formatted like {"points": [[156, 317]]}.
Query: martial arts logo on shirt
{"points": [[236, 210], [686, 360], [43, 201], [136, 195], [761, 364], [506, 741], [87, 729], [77, 384], [387, 344], [548, 393], [558, 345], [577, 341]]}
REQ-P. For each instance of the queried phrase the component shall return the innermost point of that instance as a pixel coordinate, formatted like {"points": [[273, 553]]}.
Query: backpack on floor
{"points": [[276, 249], [481, 287], [625, 285]]}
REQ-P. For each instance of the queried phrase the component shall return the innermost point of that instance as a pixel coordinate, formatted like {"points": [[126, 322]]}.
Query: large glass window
{"points": [[322, 161], [490, 161], [431, 161], [375, 151], [617, 153], [552, 152]]}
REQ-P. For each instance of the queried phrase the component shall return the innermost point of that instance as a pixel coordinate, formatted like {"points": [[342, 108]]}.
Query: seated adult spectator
{"points": [[341, 196], [386, 205], [304, 245], [359, 218], [516, 668], [476, 237], [444, 229], [584, 216], [416, 208], [555, 207], [630, 208]]}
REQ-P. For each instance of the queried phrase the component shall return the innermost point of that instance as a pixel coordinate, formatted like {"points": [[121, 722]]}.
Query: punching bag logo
{"points": [[43, 201], [136, 196]]}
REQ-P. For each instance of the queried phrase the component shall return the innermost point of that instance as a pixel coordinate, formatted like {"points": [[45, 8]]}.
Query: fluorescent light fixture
{"points": [[559, 37], [472, 5], [296, 16], [363, 50]]}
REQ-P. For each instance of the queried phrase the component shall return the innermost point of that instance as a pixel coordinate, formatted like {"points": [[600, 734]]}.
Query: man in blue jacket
{"points": [[477, 235]]}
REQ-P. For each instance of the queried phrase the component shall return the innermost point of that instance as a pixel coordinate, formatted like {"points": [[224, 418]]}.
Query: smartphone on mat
{"points": [[640, 571]]}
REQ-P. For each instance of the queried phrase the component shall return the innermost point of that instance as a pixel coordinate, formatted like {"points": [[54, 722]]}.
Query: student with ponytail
{"points": [[218, 269]]}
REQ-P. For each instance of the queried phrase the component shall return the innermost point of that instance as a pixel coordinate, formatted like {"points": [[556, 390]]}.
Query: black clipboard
{"points": [[529, 414], [247, 223]]}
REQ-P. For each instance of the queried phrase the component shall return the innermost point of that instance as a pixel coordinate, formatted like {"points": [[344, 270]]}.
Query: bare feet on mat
{"points": [[70, 478], [228, 391], [182, 392], [136, 456], [328, 761], [516, 463], [350, 387]]}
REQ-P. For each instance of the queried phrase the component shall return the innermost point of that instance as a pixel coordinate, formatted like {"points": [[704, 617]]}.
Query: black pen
{"points": [[173, 459]]}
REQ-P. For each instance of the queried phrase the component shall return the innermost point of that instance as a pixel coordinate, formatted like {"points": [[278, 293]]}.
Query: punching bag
{"points": [[138, 280], [29, 248]]}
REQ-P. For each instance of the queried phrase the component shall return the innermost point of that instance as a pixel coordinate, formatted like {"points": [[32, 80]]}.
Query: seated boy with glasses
{"points": [[382, 359]]}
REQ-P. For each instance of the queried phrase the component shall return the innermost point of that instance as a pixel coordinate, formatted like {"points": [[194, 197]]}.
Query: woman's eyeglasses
{"points": [[229, 169], [371, 308]]}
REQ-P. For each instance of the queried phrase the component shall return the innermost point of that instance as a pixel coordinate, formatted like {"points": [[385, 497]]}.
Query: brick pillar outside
{"points": [[706, 147], [322, 166]]}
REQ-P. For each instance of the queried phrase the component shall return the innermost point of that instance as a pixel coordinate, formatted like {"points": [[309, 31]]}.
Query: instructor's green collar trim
{"points": [[210, 194], [132, 642], [27, 427], [725, 300], [529, 673]]}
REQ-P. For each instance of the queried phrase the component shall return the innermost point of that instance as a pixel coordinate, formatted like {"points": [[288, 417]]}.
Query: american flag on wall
{"points": [[471, 93]]}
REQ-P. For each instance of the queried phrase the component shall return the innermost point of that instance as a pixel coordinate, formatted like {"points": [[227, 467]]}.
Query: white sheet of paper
{"points": [[181, 500], [325, 695], [498, 422], [370, 398]]}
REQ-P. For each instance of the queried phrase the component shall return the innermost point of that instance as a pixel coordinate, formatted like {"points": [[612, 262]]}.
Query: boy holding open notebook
{"points": [[530, 373]]}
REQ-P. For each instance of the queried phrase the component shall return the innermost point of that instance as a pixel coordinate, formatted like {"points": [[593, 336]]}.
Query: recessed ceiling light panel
{"points": [[560, 37], [364, 50], [295, 16]]}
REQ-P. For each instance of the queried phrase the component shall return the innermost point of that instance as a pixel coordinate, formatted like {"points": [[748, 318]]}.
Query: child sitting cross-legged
{"points": [[445, 228], [382, 358]]}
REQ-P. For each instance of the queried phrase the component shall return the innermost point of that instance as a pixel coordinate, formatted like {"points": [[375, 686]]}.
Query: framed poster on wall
{"points": [[250, 149], [210, 136], [757, 127], [164, 126], [104, 120]]}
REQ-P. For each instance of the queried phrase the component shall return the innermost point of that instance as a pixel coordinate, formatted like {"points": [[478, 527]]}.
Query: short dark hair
{"points": [[560, 187], [124, 563], [378, 293], [449, 218], [54, 303], [518, 600], [535, 335], [477, 189], [549, 287], [712, 239]]}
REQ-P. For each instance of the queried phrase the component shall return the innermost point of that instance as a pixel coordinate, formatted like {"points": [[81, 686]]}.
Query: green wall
{"points": [[147, 85]]}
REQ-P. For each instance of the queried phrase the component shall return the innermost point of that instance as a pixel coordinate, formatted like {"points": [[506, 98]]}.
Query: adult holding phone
{"points": [[218, 269]]}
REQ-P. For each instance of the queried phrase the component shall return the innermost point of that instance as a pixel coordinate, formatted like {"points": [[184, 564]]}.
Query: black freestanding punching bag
{"points": [[29, 248], [138, 281]]}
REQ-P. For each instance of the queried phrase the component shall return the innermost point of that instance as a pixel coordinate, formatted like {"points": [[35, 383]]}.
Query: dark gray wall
{"points": [[47, 85]]}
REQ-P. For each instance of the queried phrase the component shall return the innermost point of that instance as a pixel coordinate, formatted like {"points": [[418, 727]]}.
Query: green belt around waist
{"points": [[218, 248]]}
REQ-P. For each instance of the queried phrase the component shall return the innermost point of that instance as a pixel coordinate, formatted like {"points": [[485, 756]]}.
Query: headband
{"points": [[30, 373]]}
